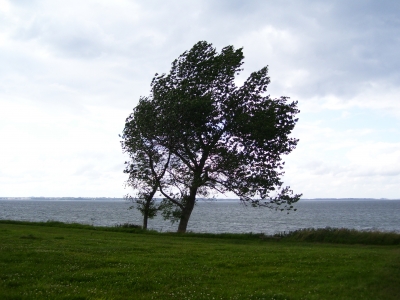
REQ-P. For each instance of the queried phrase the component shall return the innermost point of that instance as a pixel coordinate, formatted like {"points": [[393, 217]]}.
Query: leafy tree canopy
{"points": [[214, 135]]}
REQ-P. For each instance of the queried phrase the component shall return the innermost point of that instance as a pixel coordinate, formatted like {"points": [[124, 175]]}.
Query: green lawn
{"points": [[41, 262]]}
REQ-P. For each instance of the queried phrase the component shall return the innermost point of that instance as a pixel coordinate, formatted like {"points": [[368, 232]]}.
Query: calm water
{"points": [[216, 217]]}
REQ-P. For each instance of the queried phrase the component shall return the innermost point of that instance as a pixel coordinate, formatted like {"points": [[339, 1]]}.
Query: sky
{"points": [[72, 71]]}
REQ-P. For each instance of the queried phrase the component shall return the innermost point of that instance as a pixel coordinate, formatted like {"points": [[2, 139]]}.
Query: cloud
{"points": [[71, 72], [323, 51], [376, 159], [344, 162]]}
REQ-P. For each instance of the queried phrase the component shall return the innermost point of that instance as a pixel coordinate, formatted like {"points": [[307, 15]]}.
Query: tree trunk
{"points": [[147, 207], [145, 218], [190, 201], [186, 212]]}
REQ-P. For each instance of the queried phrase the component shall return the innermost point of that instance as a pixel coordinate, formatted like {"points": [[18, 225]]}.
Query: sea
{"points": [[215, 216]]}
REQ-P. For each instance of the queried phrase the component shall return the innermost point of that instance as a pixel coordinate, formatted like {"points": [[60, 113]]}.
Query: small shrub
{"points": [[128, 225], [342, 236]]}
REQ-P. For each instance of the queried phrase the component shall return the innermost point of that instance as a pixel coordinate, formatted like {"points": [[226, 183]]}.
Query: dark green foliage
{"points": [[146, 170], [215, 137], [342, 236], [128, 225]]}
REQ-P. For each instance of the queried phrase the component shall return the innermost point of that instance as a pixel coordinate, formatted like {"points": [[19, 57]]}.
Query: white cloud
{"points": [[376, 159], [332, 162]]}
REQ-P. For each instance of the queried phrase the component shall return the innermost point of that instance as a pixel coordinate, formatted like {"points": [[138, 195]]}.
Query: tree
{"points": [[146, 169], [219, 137]]}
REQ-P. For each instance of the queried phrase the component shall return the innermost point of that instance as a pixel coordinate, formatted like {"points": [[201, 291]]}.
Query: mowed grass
{"points": [[42, 262]]}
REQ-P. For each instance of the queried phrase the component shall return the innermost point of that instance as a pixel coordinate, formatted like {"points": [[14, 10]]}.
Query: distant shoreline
{"points": [[201, 200]]}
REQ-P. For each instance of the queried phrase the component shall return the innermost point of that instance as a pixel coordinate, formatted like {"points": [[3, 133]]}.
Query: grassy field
{"points": [[59, 261]]}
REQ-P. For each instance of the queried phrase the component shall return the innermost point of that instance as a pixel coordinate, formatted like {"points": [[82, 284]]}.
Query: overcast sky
{"points": [[72, 71]]}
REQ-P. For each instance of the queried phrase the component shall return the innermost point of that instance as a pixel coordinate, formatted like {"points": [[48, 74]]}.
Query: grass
{"points": [[72, 261]]}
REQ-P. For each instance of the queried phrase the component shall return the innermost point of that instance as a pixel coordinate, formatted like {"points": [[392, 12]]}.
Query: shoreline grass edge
{"points": [[311, 235]]}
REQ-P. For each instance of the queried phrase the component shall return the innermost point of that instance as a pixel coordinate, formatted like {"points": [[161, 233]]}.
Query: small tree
{"points": [[146, 168], [219, 137]]}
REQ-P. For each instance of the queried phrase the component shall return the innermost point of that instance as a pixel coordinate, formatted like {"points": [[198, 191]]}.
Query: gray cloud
{"points": [[342, 45]]}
